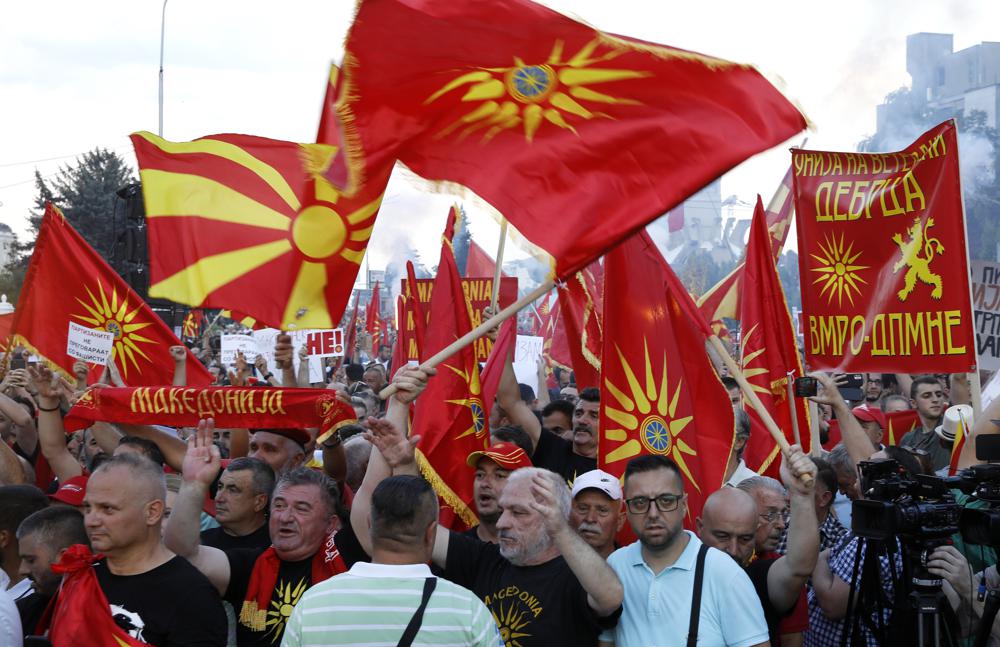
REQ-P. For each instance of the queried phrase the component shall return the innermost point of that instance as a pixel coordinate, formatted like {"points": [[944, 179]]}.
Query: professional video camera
{"points": [[919, 513], [919, 507]]}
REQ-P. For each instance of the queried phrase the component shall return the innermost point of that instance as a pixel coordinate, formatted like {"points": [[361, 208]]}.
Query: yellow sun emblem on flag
{"points": [[646, 415], [119, 318], [750, 372], [474, 403], [838, 274], [525, 95], [323, 228]]}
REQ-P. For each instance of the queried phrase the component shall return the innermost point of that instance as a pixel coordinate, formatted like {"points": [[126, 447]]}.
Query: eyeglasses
{"points": [[771, 515], [664, 503]]}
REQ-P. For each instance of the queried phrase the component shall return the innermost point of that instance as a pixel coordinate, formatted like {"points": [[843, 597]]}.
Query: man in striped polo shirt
{"points": [[395, 597]]}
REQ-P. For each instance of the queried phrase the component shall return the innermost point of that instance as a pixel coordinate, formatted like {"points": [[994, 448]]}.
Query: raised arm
{"points": [[179, 355], [26, 434], [788, 575], [283, 351], [51, 433], [172, 447], [183, 533], [302, 375], [859, 445], [604, 589], [107, 436], [392, 452]]}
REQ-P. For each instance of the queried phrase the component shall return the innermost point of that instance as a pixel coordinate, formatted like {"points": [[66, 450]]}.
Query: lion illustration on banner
{"points": [[918, 267]]}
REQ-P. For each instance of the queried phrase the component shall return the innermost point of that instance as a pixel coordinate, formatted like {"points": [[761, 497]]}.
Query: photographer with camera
{"points": [[854, 586]]}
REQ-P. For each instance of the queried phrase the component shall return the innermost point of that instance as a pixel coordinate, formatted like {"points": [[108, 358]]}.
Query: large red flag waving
{"points": [[67, 281], [450, 416], [769, 352], [659, 392], [237, 220], [374, 325], [578, 137]]}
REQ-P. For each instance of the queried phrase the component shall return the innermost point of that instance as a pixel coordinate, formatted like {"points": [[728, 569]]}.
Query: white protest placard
{"points": [[90, 345], [527, 351], [231, 345], [318, 344]]}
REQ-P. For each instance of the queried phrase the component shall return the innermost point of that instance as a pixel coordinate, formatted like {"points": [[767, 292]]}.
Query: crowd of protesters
{"points": [[211, 537]]}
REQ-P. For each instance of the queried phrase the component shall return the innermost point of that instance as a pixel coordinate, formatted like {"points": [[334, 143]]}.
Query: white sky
{"points": [[75, 75]]}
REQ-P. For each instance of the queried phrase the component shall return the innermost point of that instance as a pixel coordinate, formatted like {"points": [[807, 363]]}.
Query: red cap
{"points": [[507, 455], [71, 492], [869, 414]]}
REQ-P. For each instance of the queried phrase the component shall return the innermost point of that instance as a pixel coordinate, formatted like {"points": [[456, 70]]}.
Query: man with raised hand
{"points": [[543, 583], [308, 546]]}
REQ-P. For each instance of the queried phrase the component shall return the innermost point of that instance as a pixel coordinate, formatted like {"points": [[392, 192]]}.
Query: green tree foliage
{"points": [[85, 191]]}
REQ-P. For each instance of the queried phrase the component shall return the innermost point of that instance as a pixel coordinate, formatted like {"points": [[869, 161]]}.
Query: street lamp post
{"points": [[163, 25]]}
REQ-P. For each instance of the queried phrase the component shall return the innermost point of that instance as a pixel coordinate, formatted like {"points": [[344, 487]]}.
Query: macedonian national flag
{"points": [[659, 392], [67, 281], [578, 137], [769, 351], [450, 415], [248, 222]]}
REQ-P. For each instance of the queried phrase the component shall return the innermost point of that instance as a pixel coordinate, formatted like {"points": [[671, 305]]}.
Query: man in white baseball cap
{"points": [[597, 513]]}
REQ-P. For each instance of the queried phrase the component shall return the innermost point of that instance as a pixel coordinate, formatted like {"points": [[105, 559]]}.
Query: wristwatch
{"points": [[333, 440]]}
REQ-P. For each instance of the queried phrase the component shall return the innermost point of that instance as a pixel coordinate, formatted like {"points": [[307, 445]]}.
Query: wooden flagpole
{"points": [[478, 332], [496, 272], [751, 397]]}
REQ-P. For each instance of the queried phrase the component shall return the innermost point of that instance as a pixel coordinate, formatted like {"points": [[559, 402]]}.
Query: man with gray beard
{"points": [[544, 585]]}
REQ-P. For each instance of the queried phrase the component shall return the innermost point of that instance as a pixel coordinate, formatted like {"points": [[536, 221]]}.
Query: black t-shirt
{"points": [[218, 538], [293, 580], [171, 605], [534, 606], [758, 571], [556, 453], [30, 608]]}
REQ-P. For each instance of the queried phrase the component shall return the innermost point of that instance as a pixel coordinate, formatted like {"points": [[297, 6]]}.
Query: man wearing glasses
{"points": [[672, 581]]}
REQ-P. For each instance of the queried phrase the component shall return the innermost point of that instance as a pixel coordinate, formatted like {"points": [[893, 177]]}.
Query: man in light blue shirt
{"points": [[658, 572]]}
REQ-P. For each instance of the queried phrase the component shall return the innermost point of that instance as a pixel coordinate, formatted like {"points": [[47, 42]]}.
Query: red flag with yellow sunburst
{"points": [[237, 220], [191, 328], [769, 351], [578, 137], [374, 325], [68, 281], [659, 392], [450, 415]]}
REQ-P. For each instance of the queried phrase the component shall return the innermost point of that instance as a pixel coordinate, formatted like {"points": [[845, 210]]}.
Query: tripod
{"points": [[914, 595]]}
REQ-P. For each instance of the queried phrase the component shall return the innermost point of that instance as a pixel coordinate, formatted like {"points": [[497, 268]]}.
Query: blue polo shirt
{"points": [[657, 608]]}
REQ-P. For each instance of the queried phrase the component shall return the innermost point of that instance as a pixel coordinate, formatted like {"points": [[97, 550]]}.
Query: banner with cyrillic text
{"points": [[231, 407], [882, 258], [986, 303], [479, 291]]}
